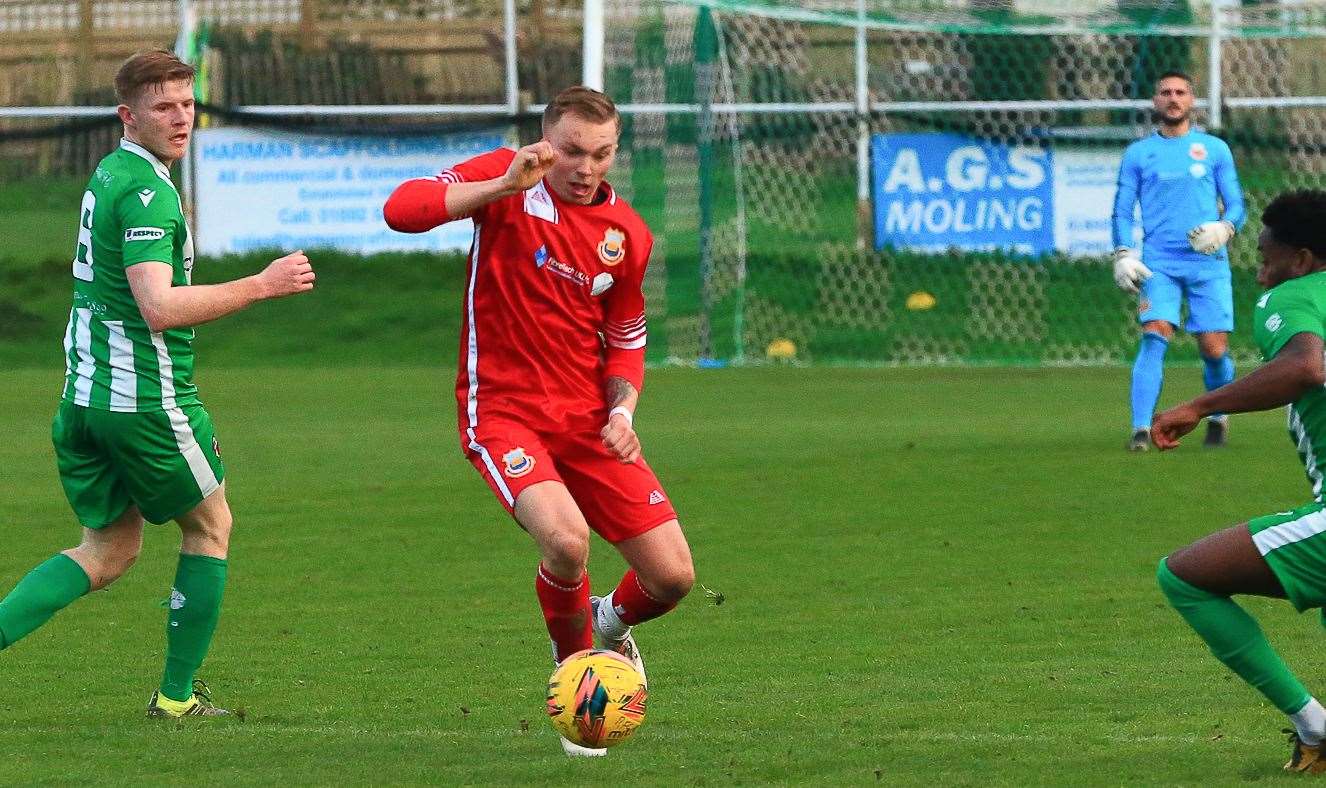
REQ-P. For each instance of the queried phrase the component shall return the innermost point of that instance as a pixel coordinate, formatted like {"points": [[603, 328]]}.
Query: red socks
{"points": [[565, 606], [634, 604]]}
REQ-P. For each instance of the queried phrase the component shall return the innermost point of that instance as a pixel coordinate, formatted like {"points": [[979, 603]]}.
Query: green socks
{"points": [[38, 596], [195, 605], [1235, 639]]}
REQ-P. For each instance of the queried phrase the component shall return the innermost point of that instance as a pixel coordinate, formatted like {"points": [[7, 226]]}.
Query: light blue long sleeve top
{"points": [[1177, 181]]}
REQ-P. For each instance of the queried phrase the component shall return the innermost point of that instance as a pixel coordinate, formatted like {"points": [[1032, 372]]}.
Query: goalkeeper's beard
{"points": [[1167, 122]]}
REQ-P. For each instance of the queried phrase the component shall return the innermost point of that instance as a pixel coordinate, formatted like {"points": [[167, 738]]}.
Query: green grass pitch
{"points": [[931, 577]]}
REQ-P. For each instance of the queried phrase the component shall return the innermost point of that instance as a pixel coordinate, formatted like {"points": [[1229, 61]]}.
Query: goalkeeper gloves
{"points": [[1208, 237], [1129, 273]]}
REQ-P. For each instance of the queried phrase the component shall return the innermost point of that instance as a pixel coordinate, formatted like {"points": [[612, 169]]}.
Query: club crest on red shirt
{"points": [[518, 463], [613, 246]]}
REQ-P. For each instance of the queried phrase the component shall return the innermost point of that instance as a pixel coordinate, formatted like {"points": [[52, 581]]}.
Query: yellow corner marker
{"points": [[920, 301], [781, 349]]}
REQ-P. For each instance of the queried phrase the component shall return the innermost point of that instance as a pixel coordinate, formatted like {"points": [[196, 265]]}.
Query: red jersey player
{"points": [[552, 363]]}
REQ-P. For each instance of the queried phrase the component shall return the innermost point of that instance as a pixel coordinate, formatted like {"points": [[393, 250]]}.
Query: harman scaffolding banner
{"points": [[939, 191], [258, 189]]}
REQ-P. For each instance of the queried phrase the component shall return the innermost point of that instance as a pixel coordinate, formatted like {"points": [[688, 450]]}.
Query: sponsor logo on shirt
{"points": [[143, 234], [1197, 170], [601, 283], [1197, 152], [543, 259], [1274, 323], [518, 463], [613, 246]]}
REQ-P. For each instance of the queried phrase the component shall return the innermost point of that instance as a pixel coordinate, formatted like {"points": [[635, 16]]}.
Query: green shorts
{"points": [[166, 462], [1294, 545]]}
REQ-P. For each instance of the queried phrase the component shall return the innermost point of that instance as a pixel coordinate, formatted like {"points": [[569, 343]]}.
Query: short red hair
{"points": [[146, 69]]}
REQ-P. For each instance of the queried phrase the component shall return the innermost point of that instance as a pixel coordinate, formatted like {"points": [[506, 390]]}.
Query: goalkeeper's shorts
{"points": [[1210, 297], [1294, 545]]}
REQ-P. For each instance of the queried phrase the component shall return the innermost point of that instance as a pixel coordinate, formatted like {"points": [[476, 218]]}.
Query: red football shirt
{"points": [[553, 304]]}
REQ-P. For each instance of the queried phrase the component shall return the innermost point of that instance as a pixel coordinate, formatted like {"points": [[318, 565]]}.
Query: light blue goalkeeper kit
{"points": [[1181, 182]]}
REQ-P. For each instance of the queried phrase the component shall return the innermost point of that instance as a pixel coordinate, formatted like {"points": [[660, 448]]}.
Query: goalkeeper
{"points": [[1177, 174]]}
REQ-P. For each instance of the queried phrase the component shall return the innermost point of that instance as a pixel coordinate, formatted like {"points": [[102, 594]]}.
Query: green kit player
{"points": [[1279, 555], [132, 440]]}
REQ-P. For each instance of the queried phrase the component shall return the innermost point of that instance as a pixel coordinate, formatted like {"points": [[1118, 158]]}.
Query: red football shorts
{"points": [[619, 500]]}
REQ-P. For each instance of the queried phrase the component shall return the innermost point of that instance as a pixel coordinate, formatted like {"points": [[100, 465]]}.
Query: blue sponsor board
{"points": [[935, 192]]}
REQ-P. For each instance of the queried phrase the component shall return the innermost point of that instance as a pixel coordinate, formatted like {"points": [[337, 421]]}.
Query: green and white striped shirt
{"points": [[1290, 308], [131, 213]]}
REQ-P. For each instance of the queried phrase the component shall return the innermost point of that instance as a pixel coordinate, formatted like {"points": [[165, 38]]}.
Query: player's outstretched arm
{"points": [[619, 433], [164, 306], [421, 204], [529, 166], [1297, 368]]}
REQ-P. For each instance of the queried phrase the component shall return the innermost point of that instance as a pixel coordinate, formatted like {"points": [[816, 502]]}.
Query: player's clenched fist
{"points": [[620, 438], [1173, 424], [529, 166], [287, 275]]}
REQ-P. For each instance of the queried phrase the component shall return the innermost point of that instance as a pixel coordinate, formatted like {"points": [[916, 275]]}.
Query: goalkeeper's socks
{"points": [[1235, 639], [1310, 722], [1217, 372], [1148, 374], [41, 594], [565, 606], [632, 603]]}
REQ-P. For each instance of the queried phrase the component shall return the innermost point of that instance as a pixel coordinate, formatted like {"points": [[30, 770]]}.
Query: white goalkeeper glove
{"points": [[1208, 237], [1129, 273]]}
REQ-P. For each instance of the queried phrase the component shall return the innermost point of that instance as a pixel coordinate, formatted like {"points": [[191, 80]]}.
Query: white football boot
{"points": [[624, 645], [574, 750]]}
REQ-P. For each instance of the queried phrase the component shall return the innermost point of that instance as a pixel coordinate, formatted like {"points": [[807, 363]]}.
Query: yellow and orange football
{"points": [[596, 698]]}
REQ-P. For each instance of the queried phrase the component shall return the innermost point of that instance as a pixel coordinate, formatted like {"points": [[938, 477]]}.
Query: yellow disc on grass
{"points": [[781, 348], [920, 300]]}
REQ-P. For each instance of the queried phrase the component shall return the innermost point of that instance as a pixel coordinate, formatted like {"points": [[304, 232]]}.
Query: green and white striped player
{"points": [[132, 440], [1280, 555]]}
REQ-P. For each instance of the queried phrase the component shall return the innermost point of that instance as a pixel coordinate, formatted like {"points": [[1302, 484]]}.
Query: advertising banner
{"points": [[259, 189]]}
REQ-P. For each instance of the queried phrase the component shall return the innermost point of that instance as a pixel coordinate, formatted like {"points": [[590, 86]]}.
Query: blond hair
{"points": [[583, 102]]}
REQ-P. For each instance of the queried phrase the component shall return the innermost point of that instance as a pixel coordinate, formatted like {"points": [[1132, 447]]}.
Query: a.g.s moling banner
{"points": [[938, 191]]}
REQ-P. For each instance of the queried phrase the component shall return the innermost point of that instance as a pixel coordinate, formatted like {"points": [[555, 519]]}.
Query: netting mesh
{"points": [[782, 249]]}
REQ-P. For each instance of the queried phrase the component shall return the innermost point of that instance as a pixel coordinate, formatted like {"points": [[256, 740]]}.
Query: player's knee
{"points": [[1177, 589], [566, 553], [675, 584], [106, 563], [120, 563], [217, 535], [210, 536]]}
